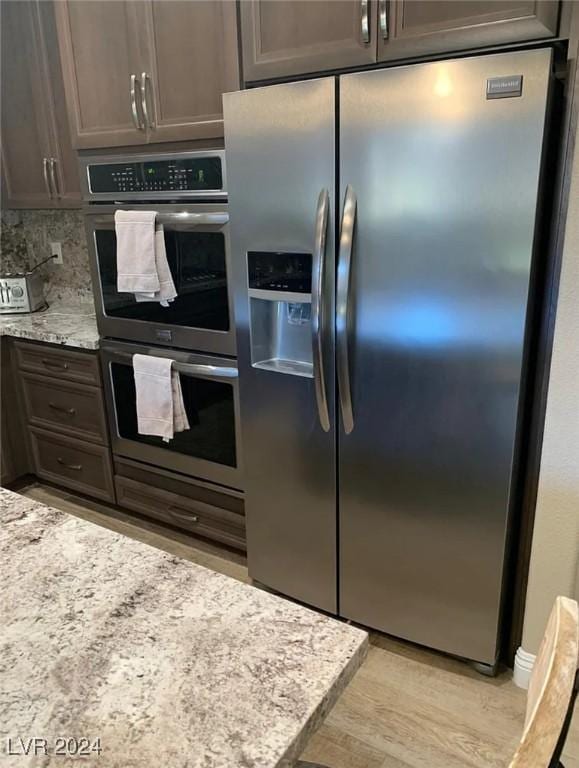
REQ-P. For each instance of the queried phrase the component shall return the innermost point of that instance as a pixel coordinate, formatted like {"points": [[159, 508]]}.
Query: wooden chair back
{"points": [[552, 690]]}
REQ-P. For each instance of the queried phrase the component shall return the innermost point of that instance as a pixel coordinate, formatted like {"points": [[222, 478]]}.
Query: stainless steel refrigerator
{"points": [[383, 228]]}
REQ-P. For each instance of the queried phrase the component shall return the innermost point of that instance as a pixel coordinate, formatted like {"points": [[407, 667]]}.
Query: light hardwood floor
{"points": [[406, 707]]}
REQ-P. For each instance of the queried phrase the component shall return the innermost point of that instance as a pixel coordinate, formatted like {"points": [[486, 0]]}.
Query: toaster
{"points": [[21, 292]]}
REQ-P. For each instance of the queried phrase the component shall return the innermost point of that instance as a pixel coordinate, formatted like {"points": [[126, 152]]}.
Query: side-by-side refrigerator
{"points": [[383, 229]]}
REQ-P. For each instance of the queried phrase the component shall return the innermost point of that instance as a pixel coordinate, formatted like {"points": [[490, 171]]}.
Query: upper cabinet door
{"points": [[39, 166], [281, 38], [101, 64], [417, 27], [64, 162], [192, 55], [26, 139]]}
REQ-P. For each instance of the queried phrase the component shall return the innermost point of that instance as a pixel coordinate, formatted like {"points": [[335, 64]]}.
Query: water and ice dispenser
{"points": [[280, 311]]}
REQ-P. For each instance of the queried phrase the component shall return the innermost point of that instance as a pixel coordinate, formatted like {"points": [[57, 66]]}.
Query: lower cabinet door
{"points": [[83, 467], [73, 409], [192, 515]]}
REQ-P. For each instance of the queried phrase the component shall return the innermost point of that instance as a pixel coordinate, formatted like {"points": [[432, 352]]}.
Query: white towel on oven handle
{"points": [[159, 398], [180, 420], [166, 293], [136, 267]]}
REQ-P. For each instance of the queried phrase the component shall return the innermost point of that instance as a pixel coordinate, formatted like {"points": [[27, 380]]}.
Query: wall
{"points": [[24, 241], [554, 566]]}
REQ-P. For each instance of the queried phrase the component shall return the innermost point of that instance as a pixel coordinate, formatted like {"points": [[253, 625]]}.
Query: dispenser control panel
{"points": [[280, 271]]}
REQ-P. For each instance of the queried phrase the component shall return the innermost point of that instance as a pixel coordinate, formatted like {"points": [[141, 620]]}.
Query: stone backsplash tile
{"points": [[24, 242]]}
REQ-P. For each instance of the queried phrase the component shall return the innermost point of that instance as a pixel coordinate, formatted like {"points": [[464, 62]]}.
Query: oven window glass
{"points": [[210, 410], [197, 263]]}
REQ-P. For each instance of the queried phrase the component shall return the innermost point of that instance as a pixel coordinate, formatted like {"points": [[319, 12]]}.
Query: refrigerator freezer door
{"points": [[280, 149], [446, 181]]}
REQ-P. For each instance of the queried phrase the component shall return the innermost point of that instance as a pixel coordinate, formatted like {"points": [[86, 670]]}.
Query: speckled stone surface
{"points": [[71, 323], [169, 663], [25, 238]]}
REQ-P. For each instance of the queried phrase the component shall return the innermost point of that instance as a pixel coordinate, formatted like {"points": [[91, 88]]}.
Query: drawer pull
{"points": [[183, 515], [52, 364], [76, 467], [70, 411]]}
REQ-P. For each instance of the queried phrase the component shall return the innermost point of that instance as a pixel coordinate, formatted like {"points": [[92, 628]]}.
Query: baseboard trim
{"points": [[523, 667]]}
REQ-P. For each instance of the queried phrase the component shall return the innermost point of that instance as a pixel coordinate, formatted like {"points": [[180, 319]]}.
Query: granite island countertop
{"points": [[72, 325], [169, 663]]}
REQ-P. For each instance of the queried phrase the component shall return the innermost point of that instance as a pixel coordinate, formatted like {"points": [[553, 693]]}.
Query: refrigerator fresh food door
{"points": [[280, 147], [439, 167]]}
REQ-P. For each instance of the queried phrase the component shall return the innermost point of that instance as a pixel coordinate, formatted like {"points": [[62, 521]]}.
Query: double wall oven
{"points": [[188, 192]]}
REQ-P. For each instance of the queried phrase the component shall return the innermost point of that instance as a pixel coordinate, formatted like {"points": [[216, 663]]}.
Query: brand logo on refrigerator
{"points": [[504, 87]]}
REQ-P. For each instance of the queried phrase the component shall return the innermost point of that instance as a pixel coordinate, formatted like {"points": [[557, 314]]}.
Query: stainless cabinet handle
{"points": [[133, 94], [318, 272], [183, 514], [53, 177], [384, 19], [364, 21], [52, 364], [45, 172], [55, 407], [145, 80], [342, 307], [76, 467]]}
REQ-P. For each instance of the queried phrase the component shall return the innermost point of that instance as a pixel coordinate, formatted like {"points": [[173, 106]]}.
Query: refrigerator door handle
{"points": [[318, 272], [342, 307]]}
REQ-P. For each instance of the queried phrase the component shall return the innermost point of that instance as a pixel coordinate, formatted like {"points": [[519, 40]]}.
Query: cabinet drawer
{"points": [[191, 514], [66, 364], [84, 467], [74, 409]]}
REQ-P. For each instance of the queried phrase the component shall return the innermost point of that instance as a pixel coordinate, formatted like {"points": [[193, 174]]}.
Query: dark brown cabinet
{"points": [[83, 467], [294, 37], [290, 37], [39, 165], [418, 27], [146, 72], [15, 460], [192, 505], [183, 511], [65, 417], [99, 53]]}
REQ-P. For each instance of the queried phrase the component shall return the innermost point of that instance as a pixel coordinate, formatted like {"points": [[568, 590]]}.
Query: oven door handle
{"points": [[209, 371], [191, 369], [179, 217]]}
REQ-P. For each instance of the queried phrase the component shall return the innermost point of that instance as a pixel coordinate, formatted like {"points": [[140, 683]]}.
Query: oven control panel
{"points": [[195, 174]]}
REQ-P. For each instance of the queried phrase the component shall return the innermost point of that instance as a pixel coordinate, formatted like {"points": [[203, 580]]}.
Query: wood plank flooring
{"points": [[406, 708]]}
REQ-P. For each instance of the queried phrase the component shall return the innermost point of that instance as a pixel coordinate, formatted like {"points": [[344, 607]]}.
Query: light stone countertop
{"points": [[69, 324], [169, 663]]}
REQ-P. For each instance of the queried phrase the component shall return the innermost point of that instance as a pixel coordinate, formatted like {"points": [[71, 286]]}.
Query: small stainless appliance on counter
{"points": [[22, 292]]}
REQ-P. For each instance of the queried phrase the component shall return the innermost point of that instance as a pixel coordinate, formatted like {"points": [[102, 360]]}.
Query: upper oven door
{"points": [[197, 244], [211, 448]]}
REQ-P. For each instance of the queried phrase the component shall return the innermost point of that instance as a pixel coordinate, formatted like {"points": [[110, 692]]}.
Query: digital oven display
{"points": [[177, 174]]}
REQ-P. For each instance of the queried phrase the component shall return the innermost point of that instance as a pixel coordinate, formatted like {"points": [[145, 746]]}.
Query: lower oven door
{"points": [[210, 449], [198, 255]]}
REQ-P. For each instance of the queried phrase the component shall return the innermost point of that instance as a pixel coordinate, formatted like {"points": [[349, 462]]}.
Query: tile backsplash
{"points": [[24, 240]]}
